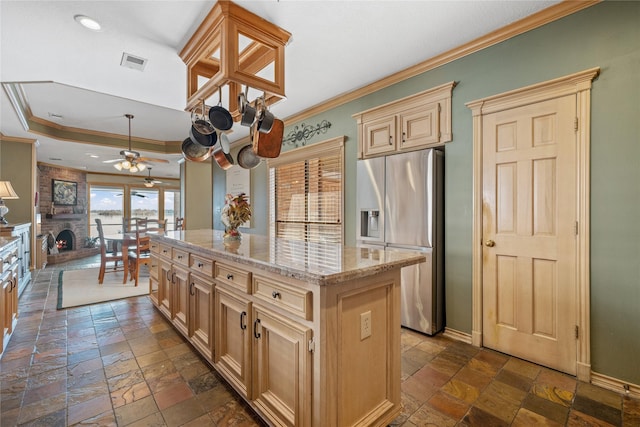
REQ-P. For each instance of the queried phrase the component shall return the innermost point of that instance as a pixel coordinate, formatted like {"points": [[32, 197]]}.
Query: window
{"points": [[306, 188], [171, 207], [144, 204], [106, 203]]}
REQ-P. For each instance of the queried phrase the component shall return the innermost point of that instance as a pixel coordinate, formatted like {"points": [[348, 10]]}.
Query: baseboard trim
{"points": [[457, 335], [614, 384]]}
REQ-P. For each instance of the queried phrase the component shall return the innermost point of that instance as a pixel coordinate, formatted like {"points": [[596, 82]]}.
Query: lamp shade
{"points": [[7, 191]]}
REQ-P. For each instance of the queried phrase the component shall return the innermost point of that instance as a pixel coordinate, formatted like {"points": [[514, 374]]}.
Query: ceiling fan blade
{"points": [[111, 161], [151, 159]]}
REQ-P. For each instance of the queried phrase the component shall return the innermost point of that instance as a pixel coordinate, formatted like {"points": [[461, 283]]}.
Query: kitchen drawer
{"points": [[163, 250], [235, 277], [155, 247], [201, 265], [180, 257], [296, 301]]}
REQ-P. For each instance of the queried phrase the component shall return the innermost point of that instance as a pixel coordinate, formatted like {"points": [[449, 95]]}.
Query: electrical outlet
{"points": [[365, 325]]}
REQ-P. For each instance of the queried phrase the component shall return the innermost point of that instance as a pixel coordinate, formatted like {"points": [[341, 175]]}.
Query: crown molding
{"points": [[516, 28]]}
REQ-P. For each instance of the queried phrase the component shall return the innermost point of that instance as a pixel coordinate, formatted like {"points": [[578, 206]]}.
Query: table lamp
{"points": [[6, 192]]}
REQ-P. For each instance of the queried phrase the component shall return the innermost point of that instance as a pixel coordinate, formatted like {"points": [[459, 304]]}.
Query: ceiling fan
{"points": [[150, 182], [131, 160]]}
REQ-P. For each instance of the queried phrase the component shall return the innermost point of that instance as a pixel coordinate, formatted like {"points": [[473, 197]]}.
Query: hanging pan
{"points": [[219, 116], [200, 119], [195, 152], [205, 140], [268, 145], [247, 159], [221, 152]]}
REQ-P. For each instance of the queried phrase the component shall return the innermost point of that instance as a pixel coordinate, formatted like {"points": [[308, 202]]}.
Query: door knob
{"points": [[490, 243]]}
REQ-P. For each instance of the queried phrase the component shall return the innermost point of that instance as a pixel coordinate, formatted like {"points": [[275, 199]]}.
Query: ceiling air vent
{"points": [[131, 61]]}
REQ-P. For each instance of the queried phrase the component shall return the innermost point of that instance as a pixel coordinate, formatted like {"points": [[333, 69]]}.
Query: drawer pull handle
{"points": [[243, 324], [229, 276], [179, 256], [191, 291], [275, 294], [164, 251], [255, 328], [200, 265]]}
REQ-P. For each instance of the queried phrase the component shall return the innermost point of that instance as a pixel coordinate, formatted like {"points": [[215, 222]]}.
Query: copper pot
{"points": [[221, 152]]}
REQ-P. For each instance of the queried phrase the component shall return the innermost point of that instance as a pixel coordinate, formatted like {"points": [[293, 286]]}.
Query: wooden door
{"points": [[201, 313], [529, 232], [232, 355], [281, 368]]}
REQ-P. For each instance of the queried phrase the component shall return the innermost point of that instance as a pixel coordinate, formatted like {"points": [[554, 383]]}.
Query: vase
{"points": [[231, 234]]}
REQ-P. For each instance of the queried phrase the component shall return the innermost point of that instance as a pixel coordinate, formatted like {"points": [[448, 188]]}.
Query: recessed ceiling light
{"points": [[88, 22]]}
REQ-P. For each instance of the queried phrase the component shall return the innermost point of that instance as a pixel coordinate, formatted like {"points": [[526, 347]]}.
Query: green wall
{"points": [[13, 158], [607, 36]]}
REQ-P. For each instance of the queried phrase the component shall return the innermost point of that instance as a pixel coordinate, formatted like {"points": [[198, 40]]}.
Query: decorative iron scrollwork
{"points": [[303, 133]]}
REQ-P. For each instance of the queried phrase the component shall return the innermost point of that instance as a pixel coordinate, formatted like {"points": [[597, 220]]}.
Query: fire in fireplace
{"points": [[65, 240]]}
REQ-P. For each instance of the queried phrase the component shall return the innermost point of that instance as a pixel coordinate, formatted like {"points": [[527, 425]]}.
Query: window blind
{"points": [[306, 188]]}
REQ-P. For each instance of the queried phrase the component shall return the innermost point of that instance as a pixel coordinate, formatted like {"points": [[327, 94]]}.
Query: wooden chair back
{"points": [[157, 226], [106, 256], [179, 223], [129, 224]]}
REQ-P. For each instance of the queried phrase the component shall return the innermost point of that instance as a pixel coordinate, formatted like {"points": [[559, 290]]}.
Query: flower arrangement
{"points": [[236, 212]]}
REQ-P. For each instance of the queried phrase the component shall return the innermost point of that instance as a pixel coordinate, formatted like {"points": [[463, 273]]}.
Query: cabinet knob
{"points": [[229, 276], [275, 294]]}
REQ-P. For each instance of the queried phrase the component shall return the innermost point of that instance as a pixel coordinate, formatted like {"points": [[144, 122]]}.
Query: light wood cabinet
{"points": [[22, 233], [289, 342], [9, 282], [232, 356], [412, 123], [281, 368], [201, 314]]}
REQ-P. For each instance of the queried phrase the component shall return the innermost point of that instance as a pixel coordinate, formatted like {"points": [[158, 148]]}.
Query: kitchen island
{"points": [[307, 333]]}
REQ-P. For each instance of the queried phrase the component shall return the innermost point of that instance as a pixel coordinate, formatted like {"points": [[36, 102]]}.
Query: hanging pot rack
{"points": [[229, 49]]}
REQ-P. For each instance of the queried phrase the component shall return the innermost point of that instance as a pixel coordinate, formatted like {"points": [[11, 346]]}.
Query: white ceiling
{"points": [[336, 47]]}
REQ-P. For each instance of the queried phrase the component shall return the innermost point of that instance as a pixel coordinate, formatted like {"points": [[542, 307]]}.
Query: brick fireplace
{"points": [[70, 221]]}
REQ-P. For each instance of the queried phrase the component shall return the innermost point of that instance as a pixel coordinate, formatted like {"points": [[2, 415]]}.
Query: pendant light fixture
{"points": [[131, 158]]}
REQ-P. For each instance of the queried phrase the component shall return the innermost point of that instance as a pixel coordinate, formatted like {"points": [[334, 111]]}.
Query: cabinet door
{"points": [[379, 136], [164, 287], [180, 303], [201, 313], [420, 126], [232, 356], [281, 368]]}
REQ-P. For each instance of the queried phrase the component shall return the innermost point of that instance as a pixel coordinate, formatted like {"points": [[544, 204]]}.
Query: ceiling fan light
{"points": [[141, 166], [126, 164], [148, 184], [118, 166], [133, 169]]}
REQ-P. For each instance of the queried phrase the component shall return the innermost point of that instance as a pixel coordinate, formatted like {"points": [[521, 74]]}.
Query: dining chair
{"points": [[179, 223], [140, 254], [107, 256], [157, 226], [129, 224]]}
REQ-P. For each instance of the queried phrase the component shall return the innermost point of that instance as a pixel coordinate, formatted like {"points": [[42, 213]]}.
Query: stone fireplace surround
{"points": [[64, 217]]}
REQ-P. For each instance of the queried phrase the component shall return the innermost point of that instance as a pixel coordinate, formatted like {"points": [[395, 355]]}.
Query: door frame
{"points": [[578, 84]]}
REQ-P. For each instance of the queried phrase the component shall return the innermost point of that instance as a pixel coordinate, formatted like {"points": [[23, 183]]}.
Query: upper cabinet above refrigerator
{"points": [[418, 121]]}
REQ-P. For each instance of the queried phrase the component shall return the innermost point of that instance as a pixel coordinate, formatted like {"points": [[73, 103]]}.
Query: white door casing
{"points": [[575, 89]]}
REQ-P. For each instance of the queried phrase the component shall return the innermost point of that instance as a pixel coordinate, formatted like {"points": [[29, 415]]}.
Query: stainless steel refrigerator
{"points": [[400, 206]]}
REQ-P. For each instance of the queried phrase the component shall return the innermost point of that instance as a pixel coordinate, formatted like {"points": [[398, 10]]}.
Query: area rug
{"points": [[80, 287]]}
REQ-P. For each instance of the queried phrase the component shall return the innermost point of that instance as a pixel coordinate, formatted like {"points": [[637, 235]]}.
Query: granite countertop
{"points": [[317, 263]]}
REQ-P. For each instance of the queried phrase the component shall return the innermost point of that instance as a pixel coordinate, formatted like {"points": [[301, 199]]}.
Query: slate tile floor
{"points": [[122, 364]]}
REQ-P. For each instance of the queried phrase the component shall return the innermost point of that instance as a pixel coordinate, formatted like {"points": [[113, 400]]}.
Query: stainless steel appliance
{"points": [[400, 205]]}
